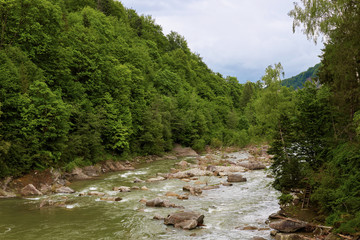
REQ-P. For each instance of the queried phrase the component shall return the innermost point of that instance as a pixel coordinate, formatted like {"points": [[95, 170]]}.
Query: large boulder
{"points": [[236, 177], [185, 220], [184, 151], [290, 226], [30, 190], [77, 174], [92, 171], [252, 165]]}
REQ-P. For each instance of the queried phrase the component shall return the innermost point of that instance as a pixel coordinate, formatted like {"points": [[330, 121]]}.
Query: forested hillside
{"points": [[83, 81], [299, 80], [316, 144], [90, 80]]}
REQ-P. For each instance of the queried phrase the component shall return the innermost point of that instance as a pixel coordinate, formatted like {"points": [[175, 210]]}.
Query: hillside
{"points": [[299, 80], [89, 80]]}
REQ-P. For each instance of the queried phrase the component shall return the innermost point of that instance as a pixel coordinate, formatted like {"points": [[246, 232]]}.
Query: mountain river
{"points": [[227, 209]]}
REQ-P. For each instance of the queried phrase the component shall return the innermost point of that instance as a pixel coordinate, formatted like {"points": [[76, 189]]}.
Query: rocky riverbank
{"points": [[52, 180]]}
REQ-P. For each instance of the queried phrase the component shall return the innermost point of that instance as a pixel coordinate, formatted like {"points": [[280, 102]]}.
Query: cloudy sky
{"points": [[235, 37]]}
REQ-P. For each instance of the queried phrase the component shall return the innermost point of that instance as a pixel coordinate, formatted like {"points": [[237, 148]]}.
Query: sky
{"points": [[238, 38]]}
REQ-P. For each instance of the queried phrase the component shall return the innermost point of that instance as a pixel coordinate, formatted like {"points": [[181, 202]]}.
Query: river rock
{"points": [[187, 224], [172, 194], [122, 189], [286, 236], [29, 190], [64, 189], [192, 190], [135, 188], [157, 202], [111, 199], [157, 179], [183, 164], [92, 171], [158, 217], [186, 220], [137, 180], [5, 194], [236, 177], [211, 187], [252, 165], [95, 193], [183, 197], [77, 174], [184, 151], [290, 226], [144, 188]]}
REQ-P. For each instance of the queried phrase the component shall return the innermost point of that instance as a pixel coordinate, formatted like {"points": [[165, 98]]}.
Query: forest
{"points": [[82, 81]]}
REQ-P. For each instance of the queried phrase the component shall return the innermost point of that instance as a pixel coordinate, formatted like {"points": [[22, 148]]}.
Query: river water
{"points": [[227, 209]]}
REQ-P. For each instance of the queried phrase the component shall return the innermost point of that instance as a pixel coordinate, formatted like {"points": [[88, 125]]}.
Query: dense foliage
{"points": [[319, 145], [82, 81], [299, 80]]}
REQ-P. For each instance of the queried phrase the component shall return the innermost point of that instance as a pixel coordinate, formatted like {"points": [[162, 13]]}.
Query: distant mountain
{"points": [[298, 80]]}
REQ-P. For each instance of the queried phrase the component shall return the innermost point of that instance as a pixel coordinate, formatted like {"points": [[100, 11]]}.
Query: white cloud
{"points": [[235, 37]]}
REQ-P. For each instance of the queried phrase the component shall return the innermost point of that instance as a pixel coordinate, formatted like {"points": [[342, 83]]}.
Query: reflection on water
{"points": [[227, 209]]}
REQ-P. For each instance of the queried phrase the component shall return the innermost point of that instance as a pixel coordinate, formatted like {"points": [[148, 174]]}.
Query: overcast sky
{"points": [[235, 37]]}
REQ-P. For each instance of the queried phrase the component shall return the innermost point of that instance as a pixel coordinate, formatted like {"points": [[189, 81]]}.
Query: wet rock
{"points": [[186, 220], [137, 180], [252, 165], [183, 197], [186, 180], [111, 199], [250, 228], [122, 189], [183, 164], [5, 194], [143, 200], [157, 202], [187, 224], [30, 190], [290, 226], [144, 188], [95, 193], [273, 233], [283, 236], [236, 177], [210, 187], [184, 151], [64, 189], [135, 188], [45, 188], [92, 171], [172, 194], [192, 190], [48, 202], [157, 179], [77, 174], [158, 217]]}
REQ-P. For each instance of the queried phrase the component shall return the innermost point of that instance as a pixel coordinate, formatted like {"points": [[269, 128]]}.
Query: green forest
{"points": [[299, 80], [82, 81]]}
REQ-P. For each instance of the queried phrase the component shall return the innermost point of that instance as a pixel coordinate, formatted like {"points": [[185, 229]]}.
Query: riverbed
{"points": [[227, 209]]}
